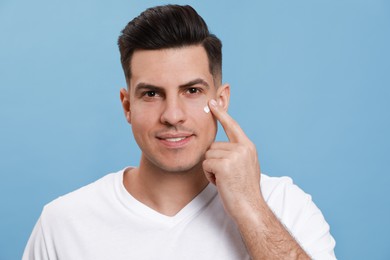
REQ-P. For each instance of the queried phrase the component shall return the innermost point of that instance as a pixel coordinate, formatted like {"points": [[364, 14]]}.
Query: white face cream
{"points": [[206, 109]]}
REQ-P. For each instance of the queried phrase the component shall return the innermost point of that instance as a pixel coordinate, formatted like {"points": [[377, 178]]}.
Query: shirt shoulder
{"points": [[281, 191], [85, 198], [297, 211]]}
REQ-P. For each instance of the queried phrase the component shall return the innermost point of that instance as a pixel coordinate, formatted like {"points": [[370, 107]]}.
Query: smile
{"points": [[178, 141]]}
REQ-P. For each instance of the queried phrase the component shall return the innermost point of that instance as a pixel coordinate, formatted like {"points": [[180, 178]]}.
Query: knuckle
{"points": [[252, 147], [205, 165], [241, 149]]}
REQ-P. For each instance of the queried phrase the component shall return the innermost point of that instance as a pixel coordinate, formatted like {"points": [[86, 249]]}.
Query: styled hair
{"points": [[169, 26]]}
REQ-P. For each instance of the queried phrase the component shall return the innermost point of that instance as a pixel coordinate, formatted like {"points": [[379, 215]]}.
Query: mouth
{"points": [[176, 140]]}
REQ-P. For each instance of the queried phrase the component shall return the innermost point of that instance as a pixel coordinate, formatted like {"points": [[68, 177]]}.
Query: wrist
{"points": [[251, 212]]}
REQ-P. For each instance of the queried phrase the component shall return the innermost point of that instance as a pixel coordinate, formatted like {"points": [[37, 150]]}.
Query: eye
{"points": [[150, 93], [193, 90]]}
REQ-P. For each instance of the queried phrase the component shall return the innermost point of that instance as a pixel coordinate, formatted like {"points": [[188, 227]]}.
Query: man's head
{"points": [[169, 26], [173, 68]]}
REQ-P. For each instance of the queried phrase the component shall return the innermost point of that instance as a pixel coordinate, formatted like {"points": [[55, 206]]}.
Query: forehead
{"points": [[173, 66]]}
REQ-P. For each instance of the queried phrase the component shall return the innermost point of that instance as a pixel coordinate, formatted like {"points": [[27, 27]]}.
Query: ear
{"points": [[125, 100], [223, 96]]}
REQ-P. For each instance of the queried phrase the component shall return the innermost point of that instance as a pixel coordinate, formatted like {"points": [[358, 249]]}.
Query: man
{"points": [[190, 197]]}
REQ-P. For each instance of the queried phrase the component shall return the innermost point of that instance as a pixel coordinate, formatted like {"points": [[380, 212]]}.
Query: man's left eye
{"points": [[193, 90]]}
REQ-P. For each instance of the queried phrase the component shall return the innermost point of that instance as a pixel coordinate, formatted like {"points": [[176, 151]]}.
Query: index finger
{"points": [[232, 128]]}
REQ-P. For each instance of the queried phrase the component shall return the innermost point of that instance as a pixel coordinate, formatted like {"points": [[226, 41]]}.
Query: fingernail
{"points": [[213, 103]]}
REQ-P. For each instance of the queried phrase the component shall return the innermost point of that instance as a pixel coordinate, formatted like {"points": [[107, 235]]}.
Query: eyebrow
{"points": [[195, 82], [143, 85]]}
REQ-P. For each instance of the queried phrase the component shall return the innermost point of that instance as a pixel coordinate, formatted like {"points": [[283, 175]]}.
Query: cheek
{"points": [[204, 122], [142, 119], [197, 105], [196, 108], [142, 112]]}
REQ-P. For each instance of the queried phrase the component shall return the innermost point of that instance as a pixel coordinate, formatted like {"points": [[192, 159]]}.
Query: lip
{"points": [[175, 140]]}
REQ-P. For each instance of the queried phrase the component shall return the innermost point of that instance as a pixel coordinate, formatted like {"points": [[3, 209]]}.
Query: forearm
{"points": [[265, 236], [234, 168]]}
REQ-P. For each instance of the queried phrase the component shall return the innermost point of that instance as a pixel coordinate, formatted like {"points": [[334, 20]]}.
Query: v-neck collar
{"points": [[144, 211]]}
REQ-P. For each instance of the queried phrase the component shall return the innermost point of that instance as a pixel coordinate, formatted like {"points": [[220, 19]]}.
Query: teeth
{"points": [[177, 139]]}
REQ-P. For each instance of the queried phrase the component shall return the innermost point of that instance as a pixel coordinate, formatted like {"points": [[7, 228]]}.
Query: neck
{"points": [[164, 191]]}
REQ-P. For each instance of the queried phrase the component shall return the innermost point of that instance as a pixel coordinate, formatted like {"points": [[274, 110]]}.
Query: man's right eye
{"points": [[150, 93]]}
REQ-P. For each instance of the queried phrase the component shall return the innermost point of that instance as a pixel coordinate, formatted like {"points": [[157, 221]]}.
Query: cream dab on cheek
{"points": [[206, 109]]}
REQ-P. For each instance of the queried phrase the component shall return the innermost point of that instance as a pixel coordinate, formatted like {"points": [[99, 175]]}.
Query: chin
{"points": [[182, 167], [175, 163], [178, 169]]}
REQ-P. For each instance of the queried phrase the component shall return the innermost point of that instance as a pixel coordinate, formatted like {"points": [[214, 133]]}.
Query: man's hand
{"points": [[233, 166]]}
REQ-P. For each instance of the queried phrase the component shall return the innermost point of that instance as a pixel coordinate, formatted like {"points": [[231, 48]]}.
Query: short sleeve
{"points": [[302, 218], [36, 247]]}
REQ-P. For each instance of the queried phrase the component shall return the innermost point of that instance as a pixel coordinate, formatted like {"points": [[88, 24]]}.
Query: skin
{"points": [[164, 104], [234, 168]]}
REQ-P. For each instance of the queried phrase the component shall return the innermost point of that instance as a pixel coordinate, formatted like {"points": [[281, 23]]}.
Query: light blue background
{"points": [[310, 84]]}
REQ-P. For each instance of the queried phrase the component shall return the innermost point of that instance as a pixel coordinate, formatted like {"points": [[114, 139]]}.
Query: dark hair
{"points": [[169, 26]]}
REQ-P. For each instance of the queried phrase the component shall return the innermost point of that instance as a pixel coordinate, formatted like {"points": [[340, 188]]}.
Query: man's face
{"points": [[169, 89]]}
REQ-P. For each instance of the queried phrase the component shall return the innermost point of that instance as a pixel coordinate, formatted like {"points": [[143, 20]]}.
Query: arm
{"points": [[234, 168], [265, 237]]}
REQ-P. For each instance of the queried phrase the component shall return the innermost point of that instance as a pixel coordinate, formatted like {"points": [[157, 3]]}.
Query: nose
{"points": [[173, 112]]}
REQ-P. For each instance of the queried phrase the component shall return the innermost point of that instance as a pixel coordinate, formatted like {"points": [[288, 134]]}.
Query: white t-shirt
{"points": [[103, 221]]}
